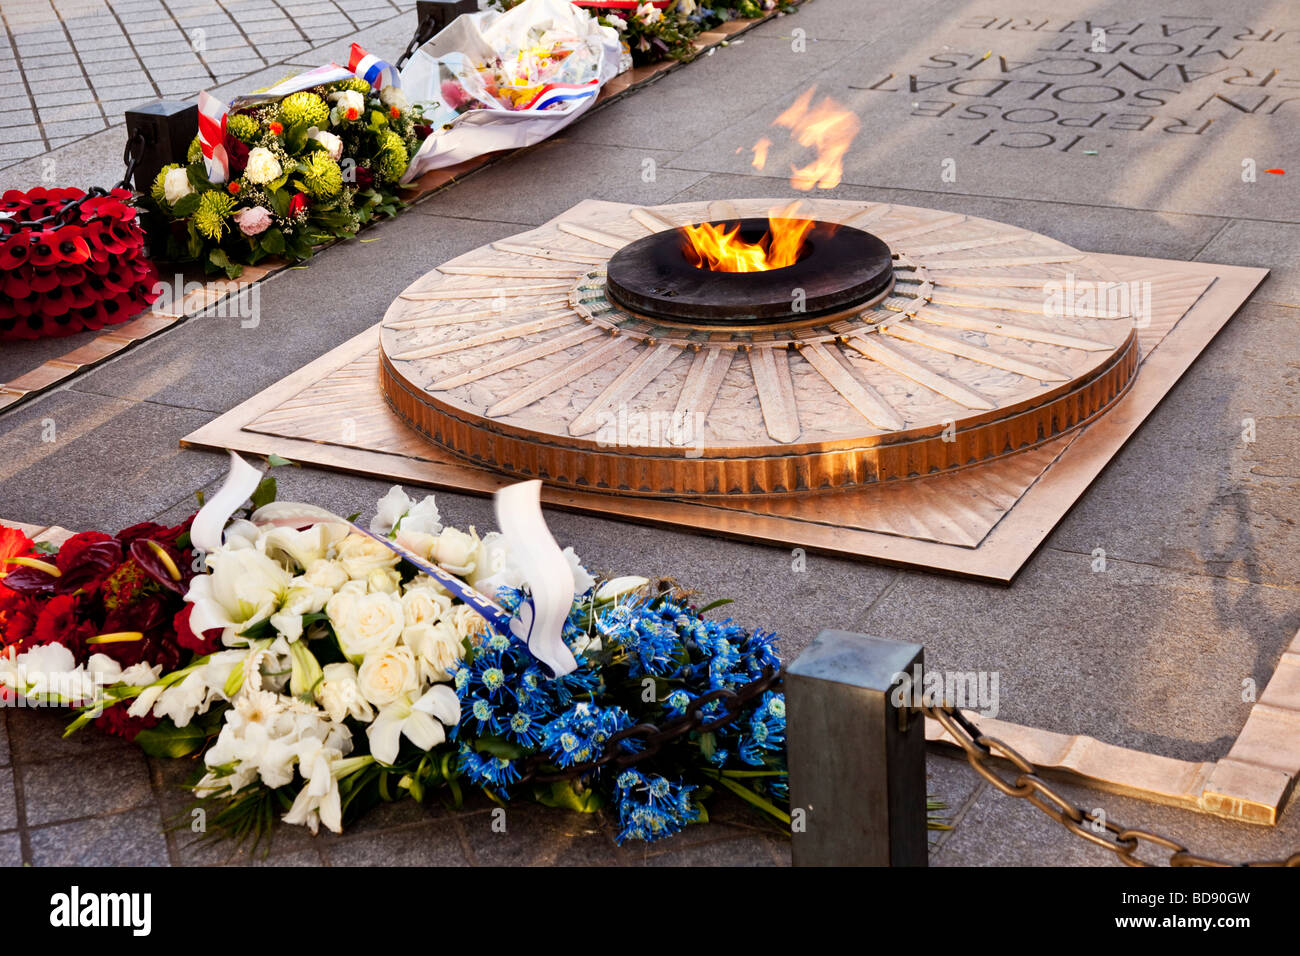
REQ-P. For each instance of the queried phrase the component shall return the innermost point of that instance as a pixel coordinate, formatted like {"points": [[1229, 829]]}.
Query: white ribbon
{"points": [[540, 623], [240, 483]]}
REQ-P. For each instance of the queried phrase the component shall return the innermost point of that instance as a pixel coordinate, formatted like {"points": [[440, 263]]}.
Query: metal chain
{"points": [[1096, 828], [131, 156], [652, 737], [423, 34]]}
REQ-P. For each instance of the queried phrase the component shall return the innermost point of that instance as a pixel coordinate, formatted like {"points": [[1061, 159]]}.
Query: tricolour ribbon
{"points": [[212, 130], [378, 73]]}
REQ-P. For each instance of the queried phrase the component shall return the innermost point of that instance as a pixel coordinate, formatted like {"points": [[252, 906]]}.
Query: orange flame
{"points": [[712, 246], [828, 128]]}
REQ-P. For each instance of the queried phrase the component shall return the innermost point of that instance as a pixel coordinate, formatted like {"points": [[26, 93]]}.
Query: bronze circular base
{"points": [[523, 361]]}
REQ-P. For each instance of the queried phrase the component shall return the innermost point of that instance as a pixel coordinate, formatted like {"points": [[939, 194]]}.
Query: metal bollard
{"points": [[857, 761], [439, 13], [167, 127]]}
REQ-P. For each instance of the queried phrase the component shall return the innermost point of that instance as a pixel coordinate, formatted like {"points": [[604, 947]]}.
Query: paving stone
{"points": [[535, 836], [86, 785], [431, 845], [11, 850], [1004, 831], [1136, 656], [966, 66], [287, 335], [731, 850], [1273, 245], [1187, 491], [4, 741], [608, 173], [36, 735], [8, 806], [951, 781], [133, 838], [132, 445]]}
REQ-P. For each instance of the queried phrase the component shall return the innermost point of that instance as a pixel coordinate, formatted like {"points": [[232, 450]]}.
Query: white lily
{"points": [[244, 588], [415, 719]]}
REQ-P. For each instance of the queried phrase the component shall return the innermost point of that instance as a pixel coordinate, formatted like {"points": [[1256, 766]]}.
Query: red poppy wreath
{"points": [[70, 261]]}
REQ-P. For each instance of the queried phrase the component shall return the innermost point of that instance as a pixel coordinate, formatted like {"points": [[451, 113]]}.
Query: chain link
{"points": [[622, 750], [424, 31], [1096, 828]]}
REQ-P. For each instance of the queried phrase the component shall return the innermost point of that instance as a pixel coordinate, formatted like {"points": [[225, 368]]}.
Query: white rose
{"points": [[423, 605], [466, 621], [176, 185], [455, 551], [388, 675], [437, 648], [339, 695], [360, 555], [392, 96], [333, 145], [349, 104], [262, 166], [383, 579], [326, 574], [365, 623]]}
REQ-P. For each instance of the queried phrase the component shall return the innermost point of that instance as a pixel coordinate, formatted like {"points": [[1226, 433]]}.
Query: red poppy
{"points": [[15, 252], [44, 250], [43, 280]]}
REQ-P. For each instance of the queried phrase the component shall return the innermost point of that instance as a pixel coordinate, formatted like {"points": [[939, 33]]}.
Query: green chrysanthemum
{"points": [[157, 190], [214, 209], [195, 152], [322, 178], [356, 85], [242, 126], [304, 107], [392, 159]]}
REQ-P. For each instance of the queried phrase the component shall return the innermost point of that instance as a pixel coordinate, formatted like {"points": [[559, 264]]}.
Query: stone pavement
{"points": [[70, 69], [1141, 148]]}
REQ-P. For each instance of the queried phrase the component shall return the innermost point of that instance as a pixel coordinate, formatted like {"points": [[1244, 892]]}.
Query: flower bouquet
{"points": [[280, 172], [320, 667], [493, 81], [70, 261]]}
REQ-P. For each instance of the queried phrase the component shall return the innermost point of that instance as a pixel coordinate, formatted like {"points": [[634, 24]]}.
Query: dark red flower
{"points": [[423, 130], [298, 203], [365, 178], [237, 150], [202, 643], [15, 251], [59, 623]]}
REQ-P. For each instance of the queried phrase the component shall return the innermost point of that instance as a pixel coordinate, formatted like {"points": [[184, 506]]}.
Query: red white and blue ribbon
{"points": [[553, 93], [212, 130], [366, 66]]}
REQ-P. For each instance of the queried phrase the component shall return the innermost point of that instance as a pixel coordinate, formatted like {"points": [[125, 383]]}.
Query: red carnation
{"points": [[58, 623], [73, 550]]}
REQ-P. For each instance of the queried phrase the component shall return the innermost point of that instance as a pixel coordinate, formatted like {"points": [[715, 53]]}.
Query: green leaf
{"points": [[265, 492], [280, 205], [275, 461], [168, 740], [273, 239], [295, 138], [565, 795], [718, 603], [186, 205], [353, 517]]}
